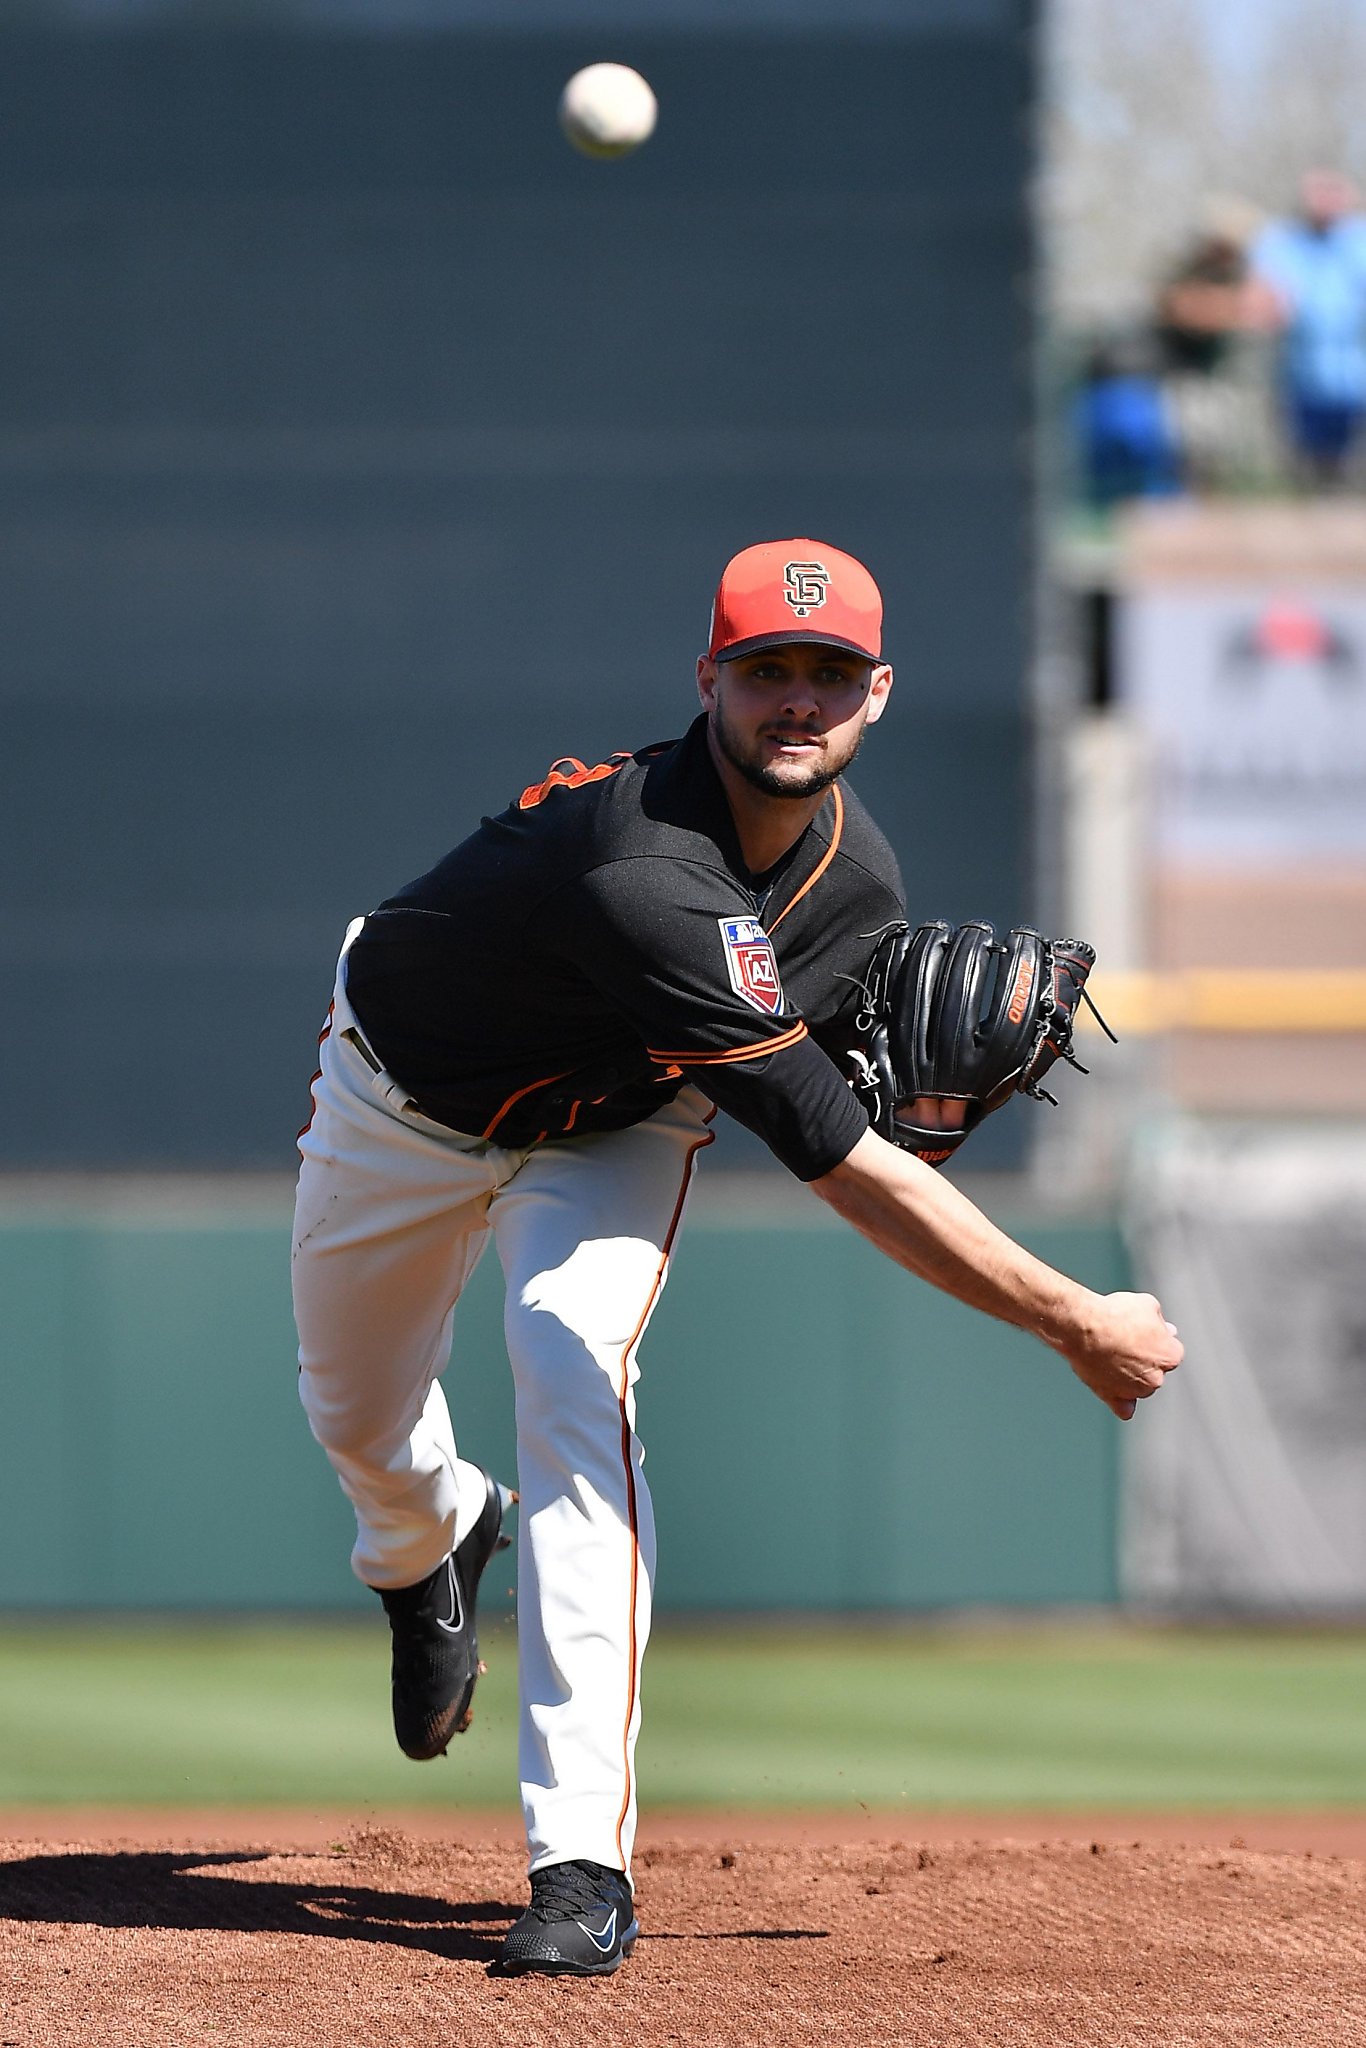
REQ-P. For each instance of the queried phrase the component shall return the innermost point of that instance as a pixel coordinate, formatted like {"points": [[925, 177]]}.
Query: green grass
{"points": [[297, 1714]]}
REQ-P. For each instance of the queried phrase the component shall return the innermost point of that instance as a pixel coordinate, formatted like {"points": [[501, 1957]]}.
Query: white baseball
{"points": [[607, 110]]}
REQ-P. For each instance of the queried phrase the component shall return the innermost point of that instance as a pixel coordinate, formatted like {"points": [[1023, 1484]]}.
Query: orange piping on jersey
{"points": [[831, 850], [574, 1109], [544, 1082], [740, 1052], [537, 792], [632, 1513]]}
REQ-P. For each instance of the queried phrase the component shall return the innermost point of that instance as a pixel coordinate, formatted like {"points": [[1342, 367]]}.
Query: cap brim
{"points": [[739, 648]]}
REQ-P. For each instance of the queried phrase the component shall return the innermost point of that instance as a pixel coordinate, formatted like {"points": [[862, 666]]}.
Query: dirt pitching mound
{"points": [[386, 1939]]}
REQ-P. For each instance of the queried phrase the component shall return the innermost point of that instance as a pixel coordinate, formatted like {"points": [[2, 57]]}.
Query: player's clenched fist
{"points": [[1123, 1349]]}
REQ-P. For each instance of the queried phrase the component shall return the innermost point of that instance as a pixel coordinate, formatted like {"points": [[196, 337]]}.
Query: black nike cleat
{"points": [[436, 1654], [581, 1923]]}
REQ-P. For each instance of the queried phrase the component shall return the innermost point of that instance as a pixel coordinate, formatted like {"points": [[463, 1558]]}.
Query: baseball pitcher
{"points": [[528, 1044]]}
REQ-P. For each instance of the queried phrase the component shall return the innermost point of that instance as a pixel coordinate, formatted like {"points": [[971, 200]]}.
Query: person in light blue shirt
{"points": [[1316, 266]]}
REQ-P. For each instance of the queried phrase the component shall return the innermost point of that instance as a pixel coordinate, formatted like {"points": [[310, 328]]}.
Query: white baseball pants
{"points": [[393, 1212]]}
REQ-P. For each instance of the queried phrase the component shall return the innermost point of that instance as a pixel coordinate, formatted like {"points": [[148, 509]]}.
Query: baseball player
{"points": [[528, 1044]]}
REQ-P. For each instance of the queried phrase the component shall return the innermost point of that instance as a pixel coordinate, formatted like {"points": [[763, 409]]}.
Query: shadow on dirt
{"points": [[748, 1934], [166, 1889]]}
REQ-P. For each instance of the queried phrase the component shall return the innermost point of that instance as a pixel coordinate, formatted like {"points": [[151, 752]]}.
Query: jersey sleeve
{"points": [[680, 955], [796, 1101]]}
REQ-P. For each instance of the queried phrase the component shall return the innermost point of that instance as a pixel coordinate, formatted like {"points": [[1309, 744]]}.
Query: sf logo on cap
{"points": [[804, 586]]}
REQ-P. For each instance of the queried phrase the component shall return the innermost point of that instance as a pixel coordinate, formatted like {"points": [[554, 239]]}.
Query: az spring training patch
{"points": [[751, 963]]}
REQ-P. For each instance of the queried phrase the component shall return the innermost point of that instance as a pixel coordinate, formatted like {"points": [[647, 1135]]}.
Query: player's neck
{"points": [[766, 826]]}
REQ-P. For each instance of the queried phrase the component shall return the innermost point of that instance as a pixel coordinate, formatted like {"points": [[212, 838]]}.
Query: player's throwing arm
{"points": [[1118, 1344], [953, 1023]]}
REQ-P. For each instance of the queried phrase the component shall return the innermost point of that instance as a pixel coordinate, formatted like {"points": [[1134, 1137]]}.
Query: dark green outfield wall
{"points": [[823, 1431], [363, 449]]}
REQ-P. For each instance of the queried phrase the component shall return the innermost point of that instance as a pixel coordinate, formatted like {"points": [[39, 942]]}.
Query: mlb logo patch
{"points": [[751, 963]]}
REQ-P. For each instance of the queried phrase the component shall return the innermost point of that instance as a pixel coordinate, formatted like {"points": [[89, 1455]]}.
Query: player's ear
{"points": [[879, 689], [706, 681]]}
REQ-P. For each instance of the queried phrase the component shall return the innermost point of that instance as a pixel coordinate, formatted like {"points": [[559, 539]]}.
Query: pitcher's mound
{"points": [[386, 1939]]}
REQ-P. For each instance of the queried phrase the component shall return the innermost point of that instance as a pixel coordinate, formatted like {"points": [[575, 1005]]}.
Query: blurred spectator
{"points": [[1316, 266], [1209, 303], [1123, 428]]}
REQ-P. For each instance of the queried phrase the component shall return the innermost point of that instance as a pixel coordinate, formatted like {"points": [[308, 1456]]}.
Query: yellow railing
{"points": [[1232, 999]]}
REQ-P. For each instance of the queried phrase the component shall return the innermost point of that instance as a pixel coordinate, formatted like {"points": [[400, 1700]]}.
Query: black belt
{"points": [[353, 1037]]}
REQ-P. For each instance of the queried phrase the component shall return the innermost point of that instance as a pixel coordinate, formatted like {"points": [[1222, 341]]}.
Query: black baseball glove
{"points": [[957, 1015]]}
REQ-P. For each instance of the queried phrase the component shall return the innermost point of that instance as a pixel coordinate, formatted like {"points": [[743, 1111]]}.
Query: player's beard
{"points": [[766, 776]]}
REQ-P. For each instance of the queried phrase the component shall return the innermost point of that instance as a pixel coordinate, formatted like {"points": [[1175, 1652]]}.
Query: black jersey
{"points": [[579, 958]]}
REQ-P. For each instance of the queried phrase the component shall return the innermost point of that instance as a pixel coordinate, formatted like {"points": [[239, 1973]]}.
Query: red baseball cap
{"points": [[786, 590]]}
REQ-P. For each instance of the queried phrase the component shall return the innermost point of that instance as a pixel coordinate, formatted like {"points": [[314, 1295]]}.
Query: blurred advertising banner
{"points": [[1237, 707], [1244, 1477], [1254, 701]]}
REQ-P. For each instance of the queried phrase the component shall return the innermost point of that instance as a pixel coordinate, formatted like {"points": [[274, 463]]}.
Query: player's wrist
{"points": [[1071, 1318]]}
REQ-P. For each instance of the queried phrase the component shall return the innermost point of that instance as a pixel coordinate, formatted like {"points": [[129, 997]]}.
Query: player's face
{"points": [[790, 719]]}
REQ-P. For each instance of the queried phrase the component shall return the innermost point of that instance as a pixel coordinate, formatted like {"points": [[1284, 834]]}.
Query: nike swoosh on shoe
{"points": [[602, 1941], [457, 1620]]}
